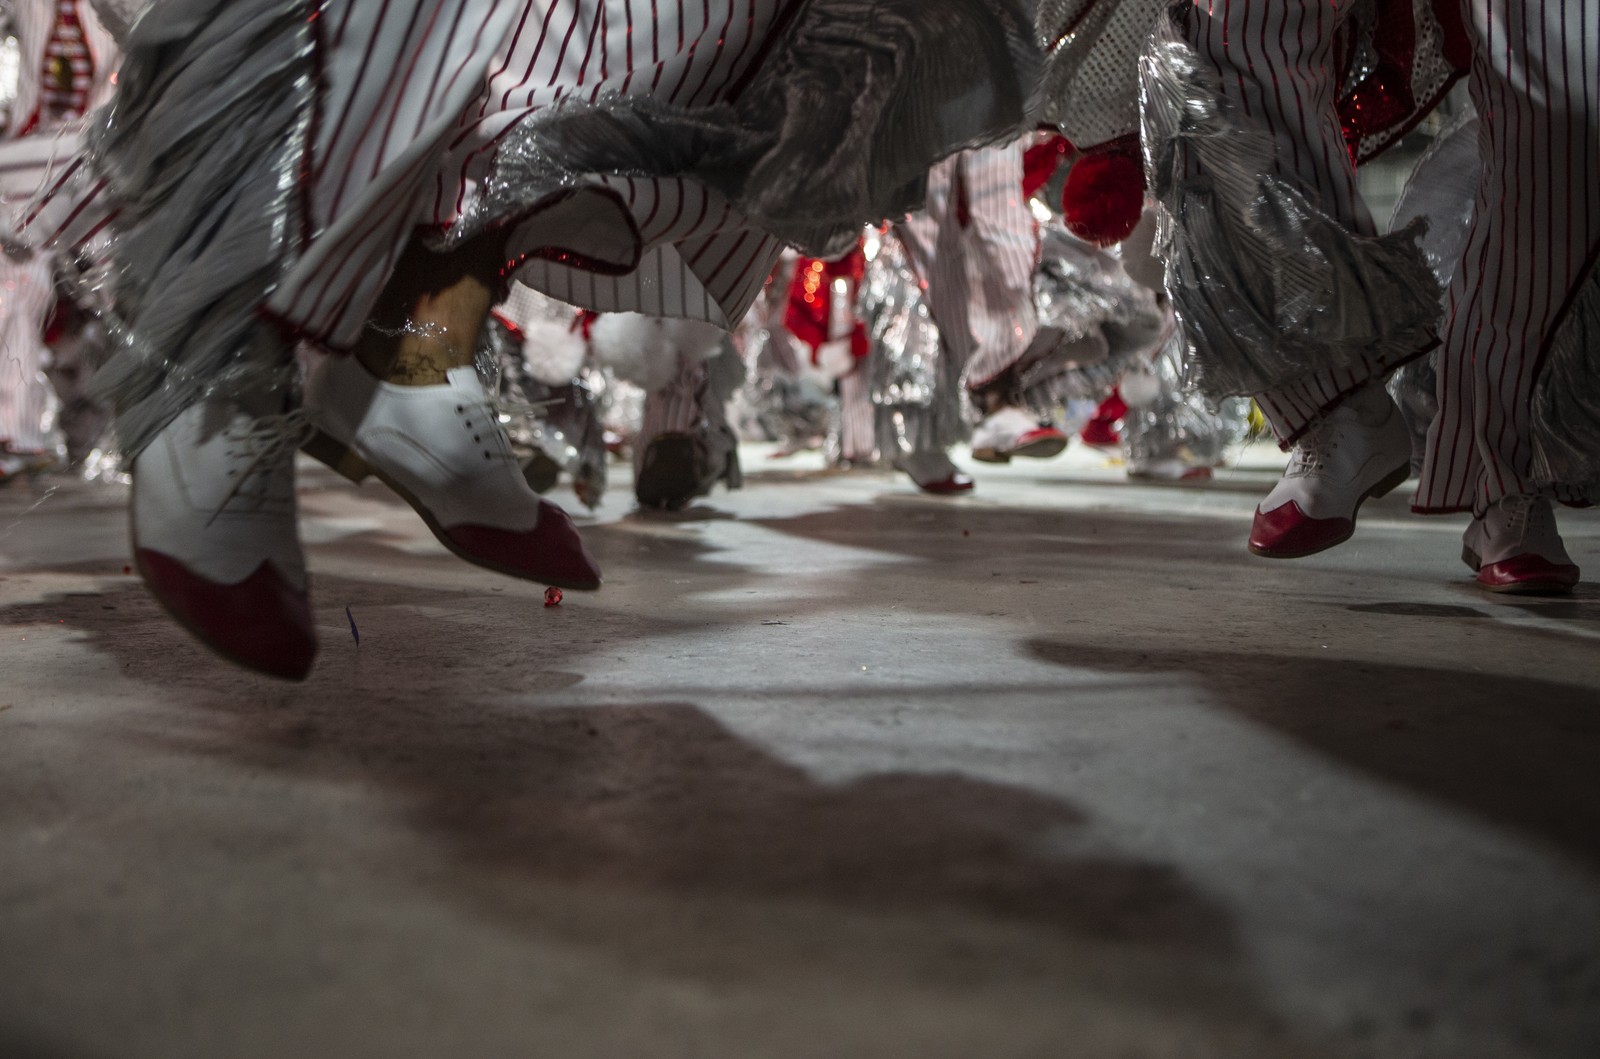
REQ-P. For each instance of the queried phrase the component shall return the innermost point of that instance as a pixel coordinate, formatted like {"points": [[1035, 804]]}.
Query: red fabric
{"points": [[508, 324], [1040, 162], [1383, 99], [1104, 193], [809, 315]]}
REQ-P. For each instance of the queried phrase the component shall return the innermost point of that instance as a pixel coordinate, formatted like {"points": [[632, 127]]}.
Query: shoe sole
{"points": [[1042, 449], [1520, 588], [669, 478], [1384, 487], [343, 460]]}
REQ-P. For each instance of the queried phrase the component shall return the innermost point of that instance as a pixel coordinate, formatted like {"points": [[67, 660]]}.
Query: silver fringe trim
{"points": [[1268, 287], [201, 150], [836, 129]]}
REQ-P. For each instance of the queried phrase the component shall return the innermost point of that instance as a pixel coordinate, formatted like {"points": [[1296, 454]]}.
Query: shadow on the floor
{"points": [[558, 819], [1404, 609], [1516, 751]]}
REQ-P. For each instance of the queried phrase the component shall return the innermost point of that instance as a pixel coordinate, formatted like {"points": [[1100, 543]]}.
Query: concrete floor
{"points": [[828, 769]]}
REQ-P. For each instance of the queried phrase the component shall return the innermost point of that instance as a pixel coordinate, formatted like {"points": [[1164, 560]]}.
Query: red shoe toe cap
{"points": [[956, 483], [1527, 573], [1287, 532], [551, 553], [262, 623]]}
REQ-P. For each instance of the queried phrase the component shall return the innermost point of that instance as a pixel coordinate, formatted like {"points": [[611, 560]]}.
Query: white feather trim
{"points": [[644, 350], [553, 351]]}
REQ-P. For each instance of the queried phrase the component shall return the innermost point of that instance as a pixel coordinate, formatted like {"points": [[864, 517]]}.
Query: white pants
{"points": [[1537, 225], [27, 294], [978, 275]]}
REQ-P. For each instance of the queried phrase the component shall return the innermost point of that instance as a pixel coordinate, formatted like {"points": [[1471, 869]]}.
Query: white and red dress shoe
{"points": [[1012, 432], [1360, 450], [443, 450], [214, 536], [936, 473], [1514, 547]]}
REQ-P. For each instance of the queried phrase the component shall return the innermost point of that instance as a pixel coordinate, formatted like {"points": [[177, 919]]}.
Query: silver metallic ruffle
{"points": [[1181, 426], [1269, 288], [1094, 323], [915, 384], [837, 128], [1566, 398]]}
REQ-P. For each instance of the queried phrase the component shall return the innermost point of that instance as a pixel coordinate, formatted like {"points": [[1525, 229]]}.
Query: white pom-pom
{"points": [[696, 340], [1139, 389], [553, 351], [635, 347]]}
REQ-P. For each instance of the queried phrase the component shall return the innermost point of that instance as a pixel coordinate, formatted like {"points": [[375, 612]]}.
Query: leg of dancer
{"points": [[1276, 67], [441, 117], [1534, 239]]}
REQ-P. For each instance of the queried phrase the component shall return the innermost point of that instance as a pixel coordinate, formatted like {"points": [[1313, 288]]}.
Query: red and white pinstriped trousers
{"points": [[415, 97], [978, 276], [1536, 81]]}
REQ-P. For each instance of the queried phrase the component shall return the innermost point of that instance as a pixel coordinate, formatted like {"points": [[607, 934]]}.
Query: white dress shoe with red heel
{"points": [[1360, 450], [214, 535], [1012, 432], [442, 448], [935, 473], [1514, 547]]}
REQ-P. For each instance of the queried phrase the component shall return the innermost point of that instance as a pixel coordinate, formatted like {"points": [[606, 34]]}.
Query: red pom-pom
{"points": [[552, 596], [1104, 195]]}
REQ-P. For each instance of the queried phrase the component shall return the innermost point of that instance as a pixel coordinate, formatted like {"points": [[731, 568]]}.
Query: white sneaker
{"points": [[214, 535], [1361, 449], [1013, 432], [1168, 469], [934, 472], [1515, 547], [444, 450]]}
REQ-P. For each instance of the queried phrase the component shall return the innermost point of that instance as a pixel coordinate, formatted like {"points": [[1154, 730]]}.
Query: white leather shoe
{"points": [[214, 535], [443, 449], [935, 472], [1515, 547], [1360, 450], [1012, 432]]}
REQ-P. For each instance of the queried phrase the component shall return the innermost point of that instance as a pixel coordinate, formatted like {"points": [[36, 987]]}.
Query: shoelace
{"points": [[1525, 516], [1312, 452], [269, 443]]}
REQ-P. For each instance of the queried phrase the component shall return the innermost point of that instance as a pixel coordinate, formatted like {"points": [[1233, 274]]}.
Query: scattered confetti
{"points": [[127, 569], [552, 597], [966, 533], [355, 632], [774, 623]]}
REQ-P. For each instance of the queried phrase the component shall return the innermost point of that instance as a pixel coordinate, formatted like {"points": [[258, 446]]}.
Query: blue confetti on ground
{"points": [[353, 630]]}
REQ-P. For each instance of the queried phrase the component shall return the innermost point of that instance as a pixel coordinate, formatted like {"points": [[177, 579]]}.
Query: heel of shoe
{"points": [[340, 457], [1391, 483]]}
